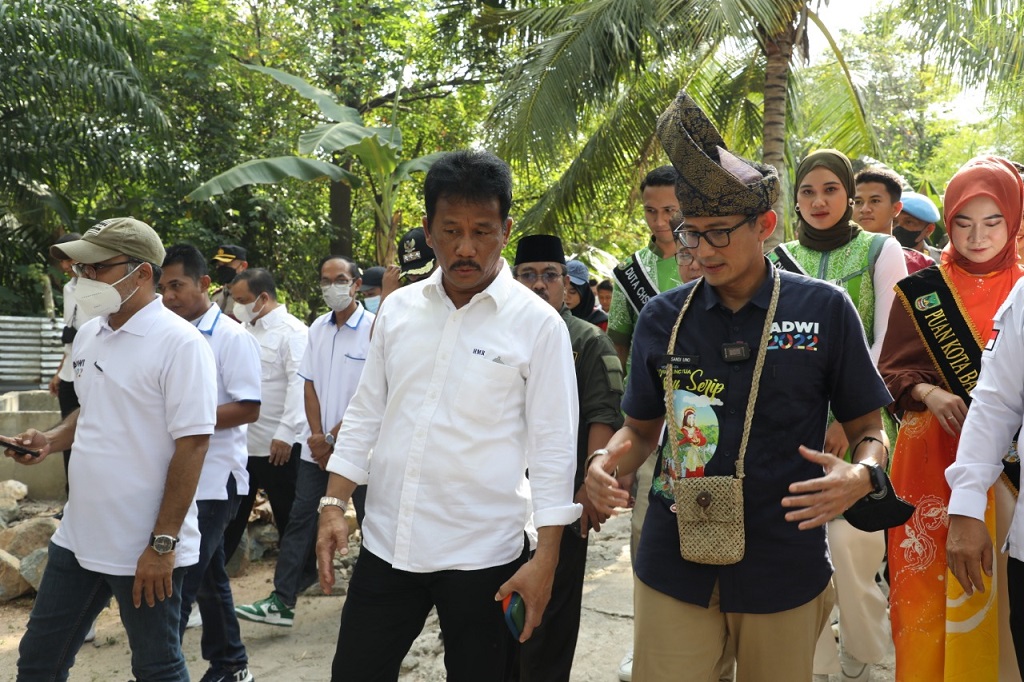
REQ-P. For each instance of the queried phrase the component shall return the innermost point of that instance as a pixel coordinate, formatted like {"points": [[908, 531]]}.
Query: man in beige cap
{"points": [[146, 380], [700, 352]]}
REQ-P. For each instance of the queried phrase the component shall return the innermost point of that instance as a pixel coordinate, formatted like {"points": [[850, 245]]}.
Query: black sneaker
{"points": [[240, 675]]}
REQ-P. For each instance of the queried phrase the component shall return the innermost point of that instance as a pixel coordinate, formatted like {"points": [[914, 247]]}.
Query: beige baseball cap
{"points": [[114, 237]]}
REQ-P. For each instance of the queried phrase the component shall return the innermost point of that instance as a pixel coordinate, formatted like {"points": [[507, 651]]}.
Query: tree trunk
{"points": [[340, 200], [779, 51]]}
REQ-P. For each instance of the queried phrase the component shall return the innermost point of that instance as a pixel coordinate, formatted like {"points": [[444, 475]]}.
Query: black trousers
{"points": [[547, 655], [1015, 589], [385, 610], [68, 400], [279, 484]]}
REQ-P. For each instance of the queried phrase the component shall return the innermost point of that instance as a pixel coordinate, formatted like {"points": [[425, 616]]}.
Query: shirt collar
{"points": [[208, 322], [267, 320], [140, 323], [353, 320], [762, 298], [498, 290], [656, 250]]}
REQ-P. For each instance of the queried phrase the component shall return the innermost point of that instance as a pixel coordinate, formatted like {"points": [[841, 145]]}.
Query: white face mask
{"points": [[245, 312], [97, 299], [337, 296], [371, 303]]}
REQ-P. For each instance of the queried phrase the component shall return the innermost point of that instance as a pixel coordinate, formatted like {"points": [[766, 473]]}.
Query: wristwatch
{"points": [[327, 501], [878, 487], [162, 544], [329, 439]]}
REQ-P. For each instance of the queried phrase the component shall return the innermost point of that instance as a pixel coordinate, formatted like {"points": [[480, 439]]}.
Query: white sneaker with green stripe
{"points": [[271, 611]]}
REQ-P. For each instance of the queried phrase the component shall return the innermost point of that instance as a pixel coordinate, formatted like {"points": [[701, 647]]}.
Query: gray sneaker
{"points": [[271, 611]]}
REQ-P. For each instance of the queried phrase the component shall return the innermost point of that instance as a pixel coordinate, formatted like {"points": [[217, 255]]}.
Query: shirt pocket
{"points": [[268, 361], [485, 390]]}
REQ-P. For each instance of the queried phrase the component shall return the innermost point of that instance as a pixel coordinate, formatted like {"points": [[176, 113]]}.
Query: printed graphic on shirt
{"points": [[992, 340], [794, 335], [696, 433]]}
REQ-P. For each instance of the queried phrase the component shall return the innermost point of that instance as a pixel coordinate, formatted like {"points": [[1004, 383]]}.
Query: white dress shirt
{"points": [[282, 338], [334, 361], [142, 387], [238, 381], [997, 412], [455, 404]]}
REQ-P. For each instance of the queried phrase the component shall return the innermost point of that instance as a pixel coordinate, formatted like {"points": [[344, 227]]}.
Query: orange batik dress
{"points": [[935, 336]]}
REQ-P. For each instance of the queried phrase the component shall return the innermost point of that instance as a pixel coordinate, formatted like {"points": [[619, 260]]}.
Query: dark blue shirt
{"points": [[817, 354]]}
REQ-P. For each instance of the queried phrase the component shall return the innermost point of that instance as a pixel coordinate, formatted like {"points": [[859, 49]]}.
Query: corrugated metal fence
{"points": [[30, 351]]}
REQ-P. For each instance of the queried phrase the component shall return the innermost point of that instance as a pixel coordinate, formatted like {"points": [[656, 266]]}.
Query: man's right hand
{"points": [[604, 491], [331, 537], [54, 385], [319, 448], [31, 439], [969, 552], [280, 452]]}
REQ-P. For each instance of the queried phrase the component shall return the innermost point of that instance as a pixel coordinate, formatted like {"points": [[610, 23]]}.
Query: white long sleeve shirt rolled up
{"points": [[996, 413], [456, 404]]}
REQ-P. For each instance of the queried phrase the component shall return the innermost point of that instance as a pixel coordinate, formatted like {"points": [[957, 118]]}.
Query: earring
{"points": [[797, 208], [851, 202]]}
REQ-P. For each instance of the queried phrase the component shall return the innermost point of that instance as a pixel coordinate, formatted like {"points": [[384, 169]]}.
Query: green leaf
{"points": [[421, 164], [333, 137], [323, 99], [269, 171]]}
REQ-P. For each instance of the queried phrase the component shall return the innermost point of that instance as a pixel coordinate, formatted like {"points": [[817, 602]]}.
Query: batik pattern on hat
{"points": [[712, 181]]}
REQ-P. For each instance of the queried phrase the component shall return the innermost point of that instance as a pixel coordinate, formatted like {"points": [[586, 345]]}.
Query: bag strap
{"points": [[758, 368]]}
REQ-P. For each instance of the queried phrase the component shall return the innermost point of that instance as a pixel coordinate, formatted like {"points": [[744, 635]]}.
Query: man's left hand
{"points": [[280, 452], [319, 449], [153, 577], [823, 499], [533, 583], [591, 518]]}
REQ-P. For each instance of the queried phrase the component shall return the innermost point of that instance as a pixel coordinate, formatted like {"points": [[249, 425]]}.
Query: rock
{"points": [[12, 585], [33, 565], [13, 489], [28, 536], [239, 562], [263, 538], [9, 510]]}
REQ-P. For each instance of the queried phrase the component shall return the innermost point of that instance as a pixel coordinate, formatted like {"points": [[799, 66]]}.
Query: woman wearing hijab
{"points": [[830, 246], [579, 297], [930, 362]]}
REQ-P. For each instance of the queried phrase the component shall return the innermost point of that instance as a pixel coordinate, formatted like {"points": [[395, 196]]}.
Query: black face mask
{"points": [[225, 274], [907, 238]]}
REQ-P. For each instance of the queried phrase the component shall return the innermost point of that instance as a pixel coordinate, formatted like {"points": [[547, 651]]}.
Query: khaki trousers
{"points": [[679, 642]]}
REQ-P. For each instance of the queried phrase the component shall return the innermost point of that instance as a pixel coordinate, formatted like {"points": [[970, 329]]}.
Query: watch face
{"points": [[163, 544]]}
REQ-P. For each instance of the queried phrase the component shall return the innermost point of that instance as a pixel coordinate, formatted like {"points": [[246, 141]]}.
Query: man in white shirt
{"points": [[145, 380], [273, 439], [184, 285], [993, 420], [469, 382], [331, 366]]}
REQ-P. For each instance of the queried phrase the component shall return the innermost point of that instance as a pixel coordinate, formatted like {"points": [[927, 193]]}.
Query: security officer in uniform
{"points": [[227, 263], [540, 265]]}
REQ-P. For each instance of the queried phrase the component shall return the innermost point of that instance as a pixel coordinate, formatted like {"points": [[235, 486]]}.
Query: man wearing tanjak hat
{"points": [[743, 366], [146, 382]]}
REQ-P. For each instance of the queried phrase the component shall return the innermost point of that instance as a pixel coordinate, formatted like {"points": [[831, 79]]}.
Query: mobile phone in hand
{"points": [[515, 613], [11, 444]]}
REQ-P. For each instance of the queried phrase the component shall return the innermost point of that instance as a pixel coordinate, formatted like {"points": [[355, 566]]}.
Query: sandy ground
{"points": [[304, 652]]}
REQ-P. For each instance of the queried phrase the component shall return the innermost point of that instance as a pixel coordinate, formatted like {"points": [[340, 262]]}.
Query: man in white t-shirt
{"points": [[184, 284], [145, 379], [331, 367], [273, 440]]}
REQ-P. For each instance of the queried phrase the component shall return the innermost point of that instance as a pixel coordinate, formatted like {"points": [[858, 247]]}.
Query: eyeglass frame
{"points": [[548, 277], [82, 269], [683, 256], [725, 232]]}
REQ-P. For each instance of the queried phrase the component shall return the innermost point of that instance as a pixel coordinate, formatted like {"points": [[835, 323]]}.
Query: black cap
{"points": [[414, 255], [539, 248], [373, 278], [229, 252]]}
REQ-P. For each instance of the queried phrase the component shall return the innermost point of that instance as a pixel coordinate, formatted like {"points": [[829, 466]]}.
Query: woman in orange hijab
{"points": [[930, 362]]}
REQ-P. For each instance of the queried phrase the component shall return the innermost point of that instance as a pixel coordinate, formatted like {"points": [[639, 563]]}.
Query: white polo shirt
{"points": [[238, 381], [456, 403], [141, 387], [282, 338], [334, 361]]}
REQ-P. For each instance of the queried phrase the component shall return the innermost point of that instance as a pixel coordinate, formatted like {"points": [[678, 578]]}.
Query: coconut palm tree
{"points": [[595, 75]]}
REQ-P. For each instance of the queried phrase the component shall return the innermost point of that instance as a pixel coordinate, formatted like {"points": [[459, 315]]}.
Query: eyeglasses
{"points": [[547, 277], [684, 257], [90, 270], [719, 239]]}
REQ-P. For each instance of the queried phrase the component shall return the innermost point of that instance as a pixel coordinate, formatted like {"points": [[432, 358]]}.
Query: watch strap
{"points": [[328, 501]]}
